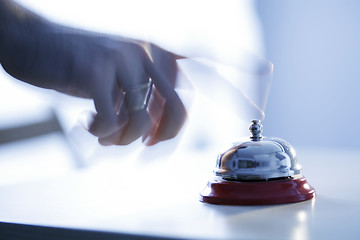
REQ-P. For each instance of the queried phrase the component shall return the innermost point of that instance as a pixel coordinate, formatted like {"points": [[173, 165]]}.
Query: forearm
{"points": [[33, 49], [37, 51], [20, 30], [16, 22]]}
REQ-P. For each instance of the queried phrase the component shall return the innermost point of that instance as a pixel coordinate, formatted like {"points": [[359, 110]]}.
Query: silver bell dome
{"points": [[258, 158]]}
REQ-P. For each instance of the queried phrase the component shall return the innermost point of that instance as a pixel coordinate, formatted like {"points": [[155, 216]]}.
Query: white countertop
{"points": [[160, 197]]}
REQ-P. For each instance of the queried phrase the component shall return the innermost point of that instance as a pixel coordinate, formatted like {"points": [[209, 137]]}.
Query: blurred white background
{"points": [[314, 46]]}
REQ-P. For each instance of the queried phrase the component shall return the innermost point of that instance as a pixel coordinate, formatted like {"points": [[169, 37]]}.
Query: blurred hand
{"points": [[111, 70], [133, 65], [129, 65]]}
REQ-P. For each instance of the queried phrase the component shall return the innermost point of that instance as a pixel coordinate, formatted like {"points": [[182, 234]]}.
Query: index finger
{"points": [[163, 71]]}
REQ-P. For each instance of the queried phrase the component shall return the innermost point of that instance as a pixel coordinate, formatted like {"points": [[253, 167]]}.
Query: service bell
{"points": [[258, 171]]}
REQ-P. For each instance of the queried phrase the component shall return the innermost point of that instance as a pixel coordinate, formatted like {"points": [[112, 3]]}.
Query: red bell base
{"points": [[224, 192]]}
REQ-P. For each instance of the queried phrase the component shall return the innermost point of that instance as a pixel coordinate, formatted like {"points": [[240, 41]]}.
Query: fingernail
{"points": [[152, 141], [104, 142], [145, 137]]}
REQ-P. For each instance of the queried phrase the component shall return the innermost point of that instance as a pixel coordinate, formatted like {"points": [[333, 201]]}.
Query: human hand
{"points": [[159, 120], [111, 70]]}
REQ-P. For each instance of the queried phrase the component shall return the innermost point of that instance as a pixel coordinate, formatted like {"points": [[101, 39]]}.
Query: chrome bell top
{"points": [[258, 158]]}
